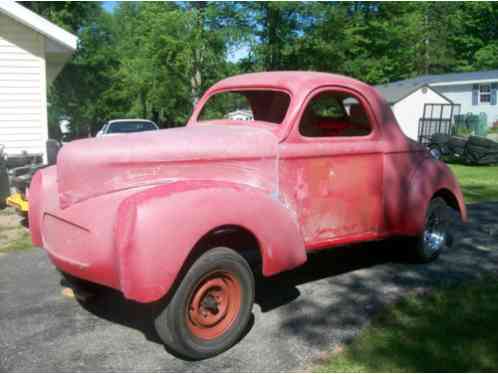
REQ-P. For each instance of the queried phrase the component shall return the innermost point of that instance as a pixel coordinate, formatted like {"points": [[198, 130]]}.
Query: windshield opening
{"points": [[126, 127], [257, 105]]}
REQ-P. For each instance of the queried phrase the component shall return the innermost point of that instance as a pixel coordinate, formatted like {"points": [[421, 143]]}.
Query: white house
{"points": [[32, 53], [240, 114], [460, 93]]}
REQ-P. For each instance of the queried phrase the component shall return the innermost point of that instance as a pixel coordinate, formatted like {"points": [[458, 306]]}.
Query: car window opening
{"points": [[334, 114], [257, 105]]}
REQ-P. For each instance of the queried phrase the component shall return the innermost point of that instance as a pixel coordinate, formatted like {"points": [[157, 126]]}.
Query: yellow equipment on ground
{"points": [[18, 201]]}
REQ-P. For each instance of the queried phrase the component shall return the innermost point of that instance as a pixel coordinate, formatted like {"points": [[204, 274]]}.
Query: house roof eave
{"points": [[39, 24]]}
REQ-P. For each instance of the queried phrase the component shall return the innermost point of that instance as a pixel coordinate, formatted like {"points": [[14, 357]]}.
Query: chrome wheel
{"points": [[436, 231]]}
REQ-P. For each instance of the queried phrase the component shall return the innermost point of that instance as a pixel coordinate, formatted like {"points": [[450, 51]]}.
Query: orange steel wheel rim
{"points": [[214, 305]]}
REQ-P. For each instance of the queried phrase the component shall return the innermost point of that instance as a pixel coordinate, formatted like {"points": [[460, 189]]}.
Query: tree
{"points": [[474, 36], [154, 60], [70, 15]]}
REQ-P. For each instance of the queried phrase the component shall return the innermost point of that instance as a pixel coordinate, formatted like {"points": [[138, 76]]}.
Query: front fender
{"points": [[156, 230], [428, 179]]}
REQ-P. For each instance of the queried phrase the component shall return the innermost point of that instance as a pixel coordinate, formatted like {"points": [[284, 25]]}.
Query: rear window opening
{"points": [[334, 114], [128, 127], [256, 105]]}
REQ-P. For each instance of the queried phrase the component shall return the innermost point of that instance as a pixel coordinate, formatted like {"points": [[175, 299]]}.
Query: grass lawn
{"points": [[20, 242], [452, 329], [478, 183], [13, 236]]}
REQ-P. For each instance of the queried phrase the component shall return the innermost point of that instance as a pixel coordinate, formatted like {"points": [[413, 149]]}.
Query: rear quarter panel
{"points": [[411, 180]]}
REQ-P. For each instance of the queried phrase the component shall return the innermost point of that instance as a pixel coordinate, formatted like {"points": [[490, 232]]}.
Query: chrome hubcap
{"points": [[434, 235]]}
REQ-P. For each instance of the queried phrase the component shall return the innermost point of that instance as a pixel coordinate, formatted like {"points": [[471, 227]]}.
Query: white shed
{"points": [[32, 53], [408, 102]]}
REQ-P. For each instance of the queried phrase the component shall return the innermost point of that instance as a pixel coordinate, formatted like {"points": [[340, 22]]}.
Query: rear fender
{"points": [[157, 229], [429, 179]]}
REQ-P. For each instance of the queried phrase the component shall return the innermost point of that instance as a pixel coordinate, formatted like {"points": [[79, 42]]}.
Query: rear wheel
{"points": [[211, 307], [436, 235]]}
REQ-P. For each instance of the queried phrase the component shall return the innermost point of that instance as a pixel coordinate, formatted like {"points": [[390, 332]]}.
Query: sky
{"points": [[109, 5], [236, 54]]}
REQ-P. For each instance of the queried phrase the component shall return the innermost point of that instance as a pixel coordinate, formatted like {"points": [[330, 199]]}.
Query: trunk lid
{"points": [[237, 153]]}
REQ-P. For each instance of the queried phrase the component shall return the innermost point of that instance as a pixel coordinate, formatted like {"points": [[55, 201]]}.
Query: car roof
{"points": [[129, 120], [288, 80]]}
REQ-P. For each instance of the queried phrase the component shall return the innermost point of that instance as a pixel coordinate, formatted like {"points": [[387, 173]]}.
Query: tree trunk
{"points": [[143, 102]]}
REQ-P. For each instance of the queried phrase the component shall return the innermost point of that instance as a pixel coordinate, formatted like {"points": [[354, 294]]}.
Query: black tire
{"points": [[436, 236], [457, 145], [439, 138], [174, 323], [480, 141], [479, 154]]}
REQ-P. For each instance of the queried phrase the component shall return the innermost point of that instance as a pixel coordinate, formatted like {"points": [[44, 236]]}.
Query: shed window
{"points": [[485, 93]]}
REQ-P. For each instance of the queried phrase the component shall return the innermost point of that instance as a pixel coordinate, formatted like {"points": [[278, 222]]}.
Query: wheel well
{"points": [[234, 237], [448, 198]]}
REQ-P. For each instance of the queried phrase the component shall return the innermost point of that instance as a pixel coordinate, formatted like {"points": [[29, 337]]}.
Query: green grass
{"points": [[478, 183], [452, 329], [21, 243]]}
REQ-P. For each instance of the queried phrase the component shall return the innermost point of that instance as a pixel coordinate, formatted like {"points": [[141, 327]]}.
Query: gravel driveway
{"points": [[298, 316]]}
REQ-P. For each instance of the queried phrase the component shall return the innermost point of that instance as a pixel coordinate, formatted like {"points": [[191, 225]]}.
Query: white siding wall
{"points": [[23, 102], [409, 110], [462, 94]]}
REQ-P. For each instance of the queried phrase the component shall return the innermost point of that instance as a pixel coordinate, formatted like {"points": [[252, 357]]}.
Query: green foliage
{"points": [[70, 15], [452, 329], [222, 104], [463, 132], [328, 106], [155, 60]]}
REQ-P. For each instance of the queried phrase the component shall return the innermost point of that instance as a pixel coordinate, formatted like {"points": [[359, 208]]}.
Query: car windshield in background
{"points": [[127, 127], [255, 105]]}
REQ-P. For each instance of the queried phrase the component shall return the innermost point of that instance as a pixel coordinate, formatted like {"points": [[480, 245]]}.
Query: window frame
{"points": [[200, 105], [485, 93], [374, 133]]}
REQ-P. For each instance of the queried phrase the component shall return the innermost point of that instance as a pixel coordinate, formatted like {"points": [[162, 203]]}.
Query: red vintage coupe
{"points": [[188, 215]]}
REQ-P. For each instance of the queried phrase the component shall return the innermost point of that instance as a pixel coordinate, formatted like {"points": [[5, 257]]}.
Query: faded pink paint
{"points": [[126, 211]]}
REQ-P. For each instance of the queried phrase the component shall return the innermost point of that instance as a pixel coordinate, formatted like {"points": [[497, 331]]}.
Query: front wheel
{"points": [[211, 307], [436, 235]]}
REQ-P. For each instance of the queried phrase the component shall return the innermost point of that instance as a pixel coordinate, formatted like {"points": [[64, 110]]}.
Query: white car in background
{"points": [[126, 126]]}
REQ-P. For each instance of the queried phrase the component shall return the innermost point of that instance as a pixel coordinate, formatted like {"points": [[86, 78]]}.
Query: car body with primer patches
{"points": [[186, 216]]}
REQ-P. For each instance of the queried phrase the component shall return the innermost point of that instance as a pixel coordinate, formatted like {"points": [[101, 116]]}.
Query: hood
{"points": [[96, 166]]}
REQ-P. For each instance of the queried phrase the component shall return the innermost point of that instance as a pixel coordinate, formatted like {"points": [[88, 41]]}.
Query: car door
{"points": [[331, 169]]}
